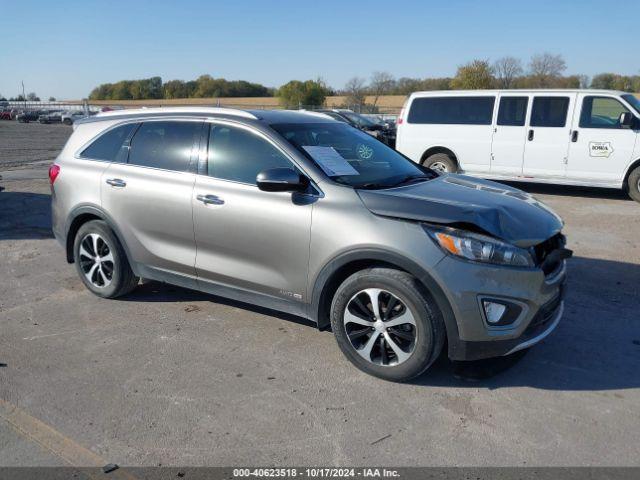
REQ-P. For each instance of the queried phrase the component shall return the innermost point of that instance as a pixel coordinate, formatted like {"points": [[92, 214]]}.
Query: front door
{"points": [[509, 135], [246, 238], [547, 146], [600, 147]]}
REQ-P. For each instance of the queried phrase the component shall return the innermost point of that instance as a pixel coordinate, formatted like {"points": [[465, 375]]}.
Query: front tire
{"points": [[387, 324], [441, 162], [101, 261], [67, 121], [633, 184]]}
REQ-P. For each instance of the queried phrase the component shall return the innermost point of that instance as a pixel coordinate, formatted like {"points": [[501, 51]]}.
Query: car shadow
{"points": [[569, 190], [25, 216]]}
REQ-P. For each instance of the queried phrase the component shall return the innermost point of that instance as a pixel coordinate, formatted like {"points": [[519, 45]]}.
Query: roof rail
{"points": [[168, 110]]}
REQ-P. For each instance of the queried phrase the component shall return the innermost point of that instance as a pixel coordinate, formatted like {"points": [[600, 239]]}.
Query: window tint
{"points": [[109, 146], [549, 111], [452, 110], [601, 112], [165, 145], [239, 155], [512, 111]]}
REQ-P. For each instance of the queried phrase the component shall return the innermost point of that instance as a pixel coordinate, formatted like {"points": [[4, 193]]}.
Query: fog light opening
{"points": [[493, 311]]}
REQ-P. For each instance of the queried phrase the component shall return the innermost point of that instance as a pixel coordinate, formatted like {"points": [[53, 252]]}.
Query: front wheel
{"points": [[633, 184], [441, 162], [101, 261], [67, 121], [386, 324]]}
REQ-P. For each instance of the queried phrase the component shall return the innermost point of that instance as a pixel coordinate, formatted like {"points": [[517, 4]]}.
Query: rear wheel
{"points": [[441, 162], [386, 324], [101, 261], [633, 184]]}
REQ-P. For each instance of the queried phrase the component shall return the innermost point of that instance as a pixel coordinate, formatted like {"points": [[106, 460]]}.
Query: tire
{"points": [[441, 162], [67, 121], [633, 184], [415, 303], [113, 276]]}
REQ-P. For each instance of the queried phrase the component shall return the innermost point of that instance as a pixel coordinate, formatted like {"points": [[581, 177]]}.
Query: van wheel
{"points": [[633, 184], [387, 324], [441, 162], [101, 261]]}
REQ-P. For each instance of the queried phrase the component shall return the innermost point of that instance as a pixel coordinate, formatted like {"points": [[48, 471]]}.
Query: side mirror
{"points": [[626, 120], [281, 180]]}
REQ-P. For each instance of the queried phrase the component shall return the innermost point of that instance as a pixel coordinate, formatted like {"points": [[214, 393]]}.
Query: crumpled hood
{"points": [[504, 212]]}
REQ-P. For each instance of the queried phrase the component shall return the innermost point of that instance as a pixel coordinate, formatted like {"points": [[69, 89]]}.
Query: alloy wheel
{"points": [[439, 167], [380, 327], [96, 260]]}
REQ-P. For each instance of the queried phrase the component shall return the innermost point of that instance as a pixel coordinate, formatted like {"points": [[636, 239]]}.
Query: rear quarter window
{"points": [[108, 146], [452, 110]]}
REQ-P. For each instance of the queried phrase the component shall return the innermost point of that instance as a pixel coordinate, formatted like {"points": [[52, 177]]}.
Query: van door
{"points": [[509, 134], [600, 148], [547, 146]]}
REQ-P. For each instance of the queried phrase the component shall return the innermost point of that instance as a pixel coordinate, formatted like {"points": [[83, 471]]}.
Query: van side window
{"points": [[549, 111], [512, 111], [452, 110], [166, 145], [237, 154], [601, 112], [108, 146]]}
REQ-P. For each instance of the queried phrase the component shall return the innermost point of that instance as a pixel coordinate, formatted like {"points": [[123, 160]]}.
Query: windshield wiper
{"points": [[412, 179]]}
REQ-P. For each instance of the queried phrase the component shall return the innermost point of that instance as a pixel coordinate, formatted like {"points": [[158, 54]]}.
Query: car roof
{"points": [[467, 93]]}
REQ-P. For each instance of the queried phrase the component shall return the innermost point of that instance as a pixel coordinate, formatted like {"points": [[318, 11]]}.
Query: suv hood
{"points": [[501, 211]]}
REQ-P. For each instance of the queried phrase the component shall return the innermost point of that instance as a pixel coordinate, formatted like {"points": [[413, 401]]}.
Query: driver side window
{"points": [[601, 112]]}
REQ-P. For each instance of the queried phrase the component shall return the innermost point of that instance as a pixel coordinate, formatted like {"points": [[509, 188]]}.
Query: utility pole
{"points": [[24, 99]]}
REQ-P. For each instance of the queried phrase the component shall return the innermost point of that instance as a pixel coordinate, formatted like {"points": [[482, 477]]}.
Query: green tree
{"points": [[308, 93], [52, 99], [32, 97], [477, 74]]}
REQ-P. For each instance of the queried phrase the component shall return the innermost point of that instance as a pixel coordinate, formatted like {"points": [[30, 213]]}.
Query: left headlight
{"points": [[478, 248]]}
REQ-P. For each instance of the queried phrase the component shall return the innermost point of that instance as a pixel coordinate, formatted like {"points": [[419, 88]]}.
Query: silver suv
{"points": [[306, 215]]}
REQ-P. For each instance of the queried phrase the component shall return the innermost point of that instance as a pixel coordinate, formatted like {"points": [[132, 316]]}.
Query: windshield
{"points": [[633, 101], [359, 119], [352, 157]]}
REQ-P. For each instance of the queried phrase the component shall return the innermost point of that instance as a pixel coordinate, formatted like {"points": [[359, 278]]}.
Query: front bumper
{"points": [[540, 297]]}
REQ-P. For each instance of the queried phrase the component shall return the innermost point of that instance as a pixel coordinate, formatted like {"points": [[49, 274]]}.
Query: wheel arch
{"points": [[346, 264], [630, 169], [83, 214]]}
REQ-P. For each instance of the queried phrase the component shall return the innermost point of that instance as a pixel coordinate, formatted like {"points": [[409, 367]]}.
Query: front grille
{"points": [[544, 249], [545, 314]]}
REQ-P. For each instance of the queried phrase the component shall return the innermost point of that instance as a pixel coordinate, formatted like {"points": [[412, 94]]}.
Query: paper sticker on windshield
{"points": [[365, 152], [600, 149], [330, 161]]}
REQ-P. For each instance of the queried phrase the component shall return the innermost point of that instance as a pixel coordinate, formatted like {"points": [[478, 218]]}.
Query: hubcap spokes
{"points": [[438, 167], [380, 327], [96, 260]]}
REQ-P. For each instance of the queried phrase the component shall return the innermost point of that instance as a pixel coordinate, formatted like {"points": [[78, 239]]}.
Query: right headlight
{"points": [[478, 248]]}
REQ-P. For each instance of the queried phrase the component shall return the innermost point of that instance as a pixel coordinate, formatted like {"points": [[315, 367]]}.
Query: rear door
{"points": [[547, 146], [149, 198], [600, 148], [509, 134]]}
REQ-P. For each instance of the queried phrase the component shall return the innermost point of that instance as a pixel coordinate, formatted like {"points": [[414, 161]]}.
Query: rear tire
{"points": [[633, 184], [402, 339], [68, 121], [441, 162], [101, 261]]}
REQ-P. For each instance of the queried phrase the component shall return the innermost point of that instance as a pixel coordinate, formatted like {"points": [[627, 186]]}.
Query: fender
{"points": [[91, 209], [319, 310]]}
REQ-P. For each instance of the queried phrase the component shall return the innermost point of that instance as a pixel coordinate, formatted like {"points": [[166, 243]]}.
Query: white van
{"points": [[572, 137]]}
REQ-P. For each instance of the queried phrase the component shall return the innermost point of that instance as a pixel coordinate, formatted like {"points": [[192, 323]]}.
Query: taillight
{"points": [[399, 120], [54, 171]]}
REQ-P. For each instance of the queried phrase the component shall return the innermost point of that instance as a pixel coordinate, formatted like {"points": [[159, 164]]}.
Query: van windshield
{"points": [[633, 101], [352, 157]]}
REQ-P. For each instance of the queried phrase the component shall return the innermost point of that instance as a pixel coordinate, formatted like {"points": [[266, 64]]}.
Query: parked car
{"points": [[399, 260], [69, 117], [50, 117], [570, 137], [8, 114], [385, 132], [27, 116]]}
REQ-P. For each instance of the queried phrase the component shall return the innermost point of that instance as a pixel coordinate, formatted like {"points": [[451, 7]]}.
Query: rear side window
{"points": [[166, 145], [239, 155], [549, 111], [601, 112], [109, 145], [512, 111], [452, 110]]}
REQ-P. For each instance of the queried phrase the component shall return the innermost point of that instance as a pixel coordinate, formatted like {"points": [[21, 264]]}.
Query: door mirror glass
{"points": [[625, 120], [281, 180]]}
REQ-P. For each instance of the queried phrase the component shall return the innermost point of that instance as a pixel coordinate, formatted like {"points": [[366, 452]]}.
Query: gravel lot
{"points": [[173, 377]]}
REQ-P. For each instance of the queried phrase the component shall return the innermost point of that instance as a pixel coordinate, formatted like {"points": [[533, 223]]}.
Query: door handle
{"points": [[530, 137], [574, 136], [210, 199], [116, 182]]}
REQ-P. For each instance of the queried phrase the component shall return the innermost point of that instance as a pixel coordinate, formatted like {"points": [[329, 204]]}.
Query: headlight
{"points": [[478, 248]]}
